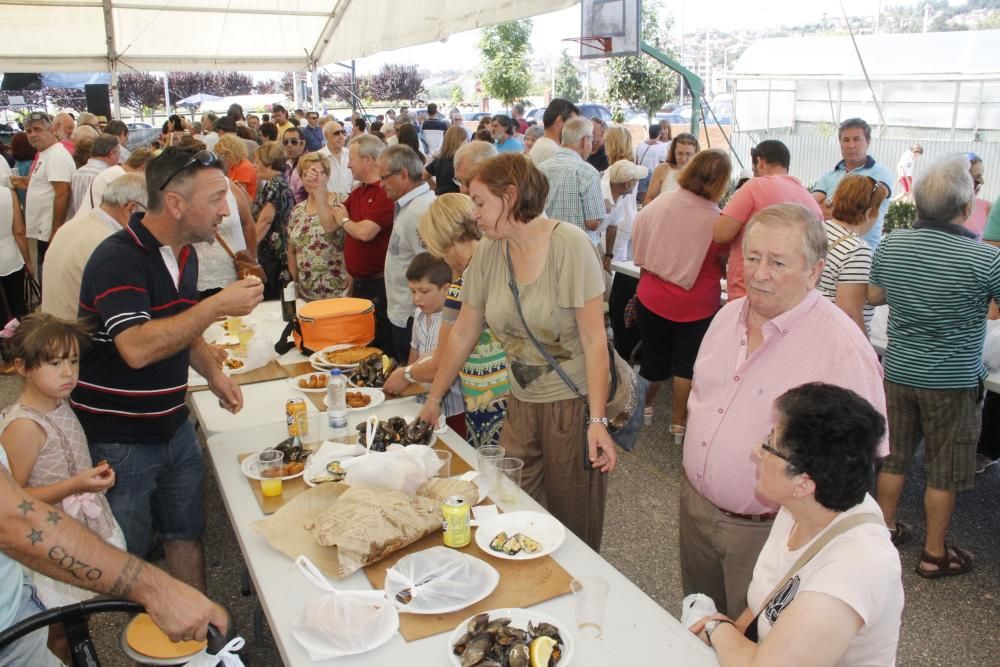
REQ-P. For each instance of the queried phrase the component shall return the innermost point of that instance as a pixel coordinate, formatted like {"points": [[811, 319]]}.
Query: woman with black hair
{"points": [[826, 589]]}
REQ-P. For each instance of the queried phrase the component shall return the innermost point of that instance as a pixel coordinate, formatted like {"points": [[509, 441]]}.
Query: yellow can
{"points": [[296, 417], [456, 513]]}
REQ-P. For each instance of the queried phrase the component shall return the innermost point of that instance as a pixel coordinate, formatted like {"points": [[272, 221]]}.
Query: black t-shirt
{"points": [[598, 160], [443, 171]]}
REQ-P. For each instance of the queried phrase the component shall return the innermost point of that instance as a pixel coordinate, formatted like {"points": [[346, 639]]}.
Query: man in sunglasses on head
{"points": [[341, 179], [294, 146], [139, 292]]}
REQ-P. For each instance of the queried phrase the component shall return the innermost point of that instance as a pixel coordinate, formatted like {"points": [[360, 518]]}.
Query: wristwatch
{"points": [[408, 375], [345, 220]]}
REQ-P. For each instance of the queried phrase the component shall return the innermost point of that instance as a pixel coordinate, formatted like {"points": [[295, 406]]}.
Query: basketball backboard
{"points": [[610, 28]]}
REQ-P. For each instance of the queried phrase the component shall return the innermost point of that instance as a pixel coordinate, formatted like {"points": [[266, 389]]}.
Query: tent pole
{"points": [[115, 99], [166, 94], [314, 82]]}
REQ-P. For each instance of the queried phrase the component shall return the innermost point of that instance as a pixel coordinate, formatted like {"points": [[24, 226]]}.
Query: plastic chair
{"points": [[74, 620]]}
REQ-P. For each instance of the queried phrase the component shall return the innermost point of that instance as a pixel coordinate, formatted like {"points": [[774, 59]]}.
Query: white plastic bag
{"points": [[695, 607], [991, 348], [439, 580], [398, 468], [342, 622], [226, 657]]}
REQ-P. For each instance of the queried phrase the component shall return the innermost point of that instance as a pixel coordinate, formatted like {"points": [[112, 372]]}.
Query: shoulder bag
{"points": [[839, 529], [246, 265], [626, 390]]}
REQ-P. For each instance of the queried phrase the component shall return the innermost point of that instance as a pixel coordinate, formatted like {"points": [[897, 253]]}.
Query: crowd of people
{"points": [[488, 256]]}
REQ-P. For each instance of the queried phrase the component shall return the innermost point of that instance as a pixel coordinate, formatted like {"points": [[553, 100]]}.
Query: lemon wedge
{"points": [[541, 651], [387, 364]]}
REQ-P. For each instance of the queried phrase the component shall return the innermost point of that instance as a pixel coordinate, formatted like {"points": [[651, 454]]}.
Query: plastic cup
{"points": [[590, 597], [509, 477], [234, 324], [445, 460], [269, 466], [486, 456], [244, 334]]}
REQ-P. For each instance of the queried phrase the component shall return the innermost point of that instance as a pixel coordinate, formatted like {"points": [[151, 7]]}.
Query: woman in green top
{"points": [[449, 232], [560, 285]]}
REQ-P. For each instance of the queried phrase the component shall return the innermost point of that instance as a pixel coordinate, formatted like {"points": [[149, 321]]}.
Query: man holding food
{"points": [[139, 291]]}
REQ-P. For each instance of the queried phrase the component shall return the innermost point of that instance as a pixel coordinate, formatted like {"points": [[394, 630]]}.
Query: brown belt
{"points": [[756, 518]]}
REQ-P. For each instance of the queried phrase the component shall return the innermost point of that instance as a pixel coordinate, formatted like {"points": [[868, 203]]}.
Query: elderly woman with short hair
{"points": [[560, 302], [841, 605], [316, 256], [233, 153], [271, 209]]}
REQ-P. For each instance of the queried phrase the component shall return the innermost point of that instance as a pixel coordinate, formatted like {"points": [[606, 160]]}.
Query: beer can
{"points": [[296, 417], [456, 512]]}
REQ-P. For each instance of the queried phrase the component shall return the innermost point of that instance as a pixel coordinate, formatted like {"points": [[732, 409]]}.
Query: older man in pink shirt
{"points": [[782, 335]]}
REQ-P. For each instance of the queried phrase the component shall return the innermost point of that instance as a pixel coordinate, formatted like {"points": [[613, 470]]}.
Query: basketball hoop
{"points": [[600, 44]]}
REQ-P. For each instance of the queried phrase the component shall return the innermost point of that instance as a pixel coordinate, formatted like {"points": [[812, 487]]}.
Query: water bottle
{"points": [[336, 401]]}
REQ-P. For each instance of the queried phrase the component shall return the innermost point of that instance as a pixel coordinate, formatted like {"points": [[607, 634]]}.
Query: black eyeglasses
{"points": [[290, 142], [768, 447], [391, 173], [204, 158]]}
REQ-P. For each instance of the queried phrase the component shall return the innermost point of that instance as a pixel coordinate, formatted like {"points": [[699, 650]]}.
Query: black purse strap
{"points": [[515, 292]]}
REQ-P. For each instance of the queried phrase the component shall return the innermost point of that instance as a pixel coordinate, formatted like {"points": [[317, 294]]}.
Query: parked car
{"points": [[138, 126], [475, 116]]}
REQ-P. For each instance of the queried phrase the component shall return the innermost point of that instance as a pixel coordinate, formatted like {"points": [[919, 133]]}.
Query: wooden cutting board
{"points": [[293, 487], [523, 583], [272, 371]]}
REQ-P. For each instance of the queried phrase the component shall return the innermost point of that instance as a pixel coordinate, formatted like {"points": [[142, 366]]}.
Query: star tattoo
{"points": [[54, 518], [35, 537], [26, 507]]}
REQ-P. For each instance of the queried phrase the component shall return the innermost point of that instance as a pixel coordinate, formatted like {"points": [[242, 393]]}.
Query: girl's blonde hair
{"points": [[309, 159], [448, 221], [618, 144], [41, 338]]}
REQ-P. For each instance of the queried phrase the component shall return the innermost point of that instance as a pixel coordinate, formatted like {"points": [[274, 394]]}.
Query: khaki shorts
{"points": [[948, 421]]}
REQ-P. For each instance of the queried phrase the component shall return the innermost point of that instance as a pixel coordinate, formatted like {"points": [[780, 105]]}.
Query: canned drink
{"points": [[456, 512], [296, 417]]}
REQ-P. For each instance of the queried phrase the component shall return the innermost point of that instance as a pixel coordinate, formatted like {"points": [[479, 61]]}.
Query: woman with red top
{"points": [[679, 290]]}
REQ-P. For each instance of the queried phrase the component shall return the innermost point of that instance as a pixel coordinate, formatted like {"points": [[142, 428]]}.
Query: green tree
{"points": [[568, 80], [504, 49], [456, 95], [640, 81]]}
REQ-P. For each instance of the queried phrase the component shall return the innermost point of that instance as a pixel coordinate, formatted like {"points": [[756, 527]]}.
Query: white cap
{"points": [[626, 170]]}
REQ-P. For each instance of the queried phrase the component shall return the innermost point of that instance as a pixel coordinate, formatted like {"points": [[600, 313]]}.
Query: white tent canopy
{"points": [[261, 35]]}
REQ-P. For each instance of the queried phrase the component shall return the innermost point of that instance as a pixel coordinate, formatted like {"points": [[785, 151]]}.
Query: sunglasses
{"points": [[768, 447], [204, 158], [337, 133], [290, 142], [38, 115]]}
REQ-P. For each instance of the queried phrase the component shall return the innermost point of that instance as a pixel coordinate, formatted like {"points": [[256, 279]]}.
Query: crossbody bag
{"points": [[245, 263], [626, 390], [838, 529]]}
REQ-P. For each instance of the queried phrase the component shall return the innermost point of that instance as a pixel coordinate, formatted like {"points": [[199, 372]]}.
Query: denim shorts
{"points": [[32, 649], [158, 489]]}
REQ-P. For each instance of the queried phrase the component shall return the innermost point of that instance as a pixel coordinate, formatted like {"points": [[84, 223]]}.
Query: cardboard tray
{"points": [[271, 371]]}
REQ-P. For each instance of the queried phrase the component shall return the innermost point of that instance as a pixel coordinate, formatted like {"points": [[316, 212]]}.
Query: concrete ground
{"points": [[946, 622]]}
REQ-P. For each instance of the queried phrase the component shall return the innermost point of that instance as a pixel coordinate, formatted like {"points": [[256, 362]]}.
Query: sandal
{"points": [[964, 560], [678, 432], [647, 416], [901, 534]]}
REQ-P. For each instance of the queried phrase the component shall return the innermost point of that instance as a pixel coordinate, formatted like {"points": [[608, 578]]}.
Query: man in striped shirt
{"points": [[938, 281], [139, 291]]}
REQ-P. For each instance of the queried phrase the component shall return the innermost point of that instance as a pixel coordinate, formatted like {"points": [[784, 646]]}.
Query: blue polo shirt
{"points": [[828, 182], [313, 136], [512, 145], [127, 283]]}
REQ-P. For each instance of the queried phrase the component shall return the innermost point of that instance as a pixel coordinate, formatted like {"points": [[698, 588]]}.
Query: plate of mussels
{"points": [[515, 637], [396, 431], [520, 535], [372, 371]]}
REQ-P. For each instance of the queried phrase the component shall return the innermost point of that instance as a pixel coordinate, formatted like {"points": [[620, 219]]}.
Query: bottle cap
{"points": [[335, 371]]}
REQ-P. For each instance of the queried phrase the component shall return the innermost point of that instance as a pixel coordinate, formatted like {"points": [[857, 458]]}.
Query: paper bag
{"points": [[290, 529]]}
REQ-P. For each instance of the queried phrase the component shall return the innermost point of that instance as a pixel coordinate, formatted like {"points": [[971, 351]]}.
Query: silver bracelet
{"points": [[598, 420]]}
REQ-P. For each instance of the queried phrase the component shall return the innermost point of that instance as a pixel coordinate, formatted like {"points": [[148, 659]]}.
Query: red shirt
{"points": [[245, 174], [366, 259], [672, 302]]}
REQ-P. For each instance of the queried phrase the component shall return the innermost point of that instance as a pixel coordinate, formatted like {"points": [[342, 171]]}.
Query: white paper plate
{"points": [[317, 361], [249, 468], [376, 394], [305, 376], [543, 528], [519, 618], [481, 571]]}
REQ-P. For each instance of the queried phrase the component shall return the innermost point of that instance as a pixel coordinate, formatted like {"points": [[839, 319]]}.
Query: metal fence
{"points": [[813, 156]]}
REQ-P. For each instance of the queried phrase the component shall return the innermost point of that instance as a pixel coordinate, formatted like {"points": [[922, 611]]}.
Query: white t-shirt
{"points": [[622, 217], [848, 260], [10, 256], [542, 150], [860, 568], [98, 186], [54, 164], [650, 155], [341, 179], [5, 174]]}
